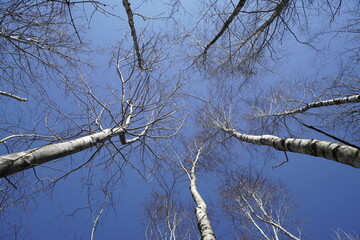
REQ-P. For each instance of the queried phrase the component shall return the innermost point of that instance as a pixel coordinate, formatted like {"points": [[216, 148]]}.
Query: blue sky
{"points": [[324, 191]]}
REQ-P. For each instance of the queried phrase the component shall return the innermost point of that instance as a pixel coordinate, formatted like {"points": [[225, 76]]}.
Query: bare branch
{"points": [[236, 11], [249, 196], [24, 136], [277, 11], [130, 15], [13, 96], [96, 220], [329, 135], [330, 102]]}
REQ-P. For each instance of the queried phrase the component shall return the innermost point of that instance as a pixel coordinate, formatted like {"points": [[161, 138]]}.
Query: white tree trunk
{"points": [[203, 220], [16, 162], [330, 102], [204, 223], [334, 151]]}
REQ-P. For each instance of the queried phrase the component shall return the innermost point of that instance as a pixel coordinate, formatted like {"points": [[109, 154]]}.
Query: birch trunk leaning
{"points": [[16, 162], [333, 151]]}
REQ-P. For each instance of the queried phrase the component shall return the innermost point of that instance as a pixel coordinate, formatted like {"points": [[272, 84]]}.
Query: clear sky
{"points": [[325, 192]]}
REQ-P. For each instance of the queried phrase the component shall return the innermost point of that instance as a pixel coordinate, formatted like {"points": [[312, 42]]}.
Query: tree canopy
{"points": [[179, 94]]}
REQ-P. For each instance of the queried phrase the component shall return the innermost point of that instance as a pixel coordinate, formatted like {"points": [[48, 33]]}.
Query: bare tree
{"points": [[98, 126], [338, 152], [243, 33], [331, 105], [285, 112], [36, 37], [259, 206], [339, 234], [108, 131], [203, 221], [167, 218], [330, 102], [142, 100]]}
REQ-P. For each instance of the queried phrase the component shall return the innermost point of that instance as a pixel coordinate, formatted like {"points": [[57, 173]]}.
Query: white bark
{"points": [[16, 162], [204, 223], [13, 96], [269, 219], [330, 102], [203, 220], [333, 151]]}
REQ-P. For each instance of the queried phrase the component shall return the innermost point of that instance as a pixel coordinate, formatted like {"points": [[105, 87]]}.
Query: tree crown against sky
{"points": [[94, 91]]}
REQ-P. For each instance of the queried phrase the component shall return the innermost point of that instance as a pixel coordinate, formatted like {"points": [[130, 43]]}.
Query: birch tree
{"points": [[166, 57], [109, 128], [333, 151], [203, 221], [259, 206], [296, 110], [340, 234], [155, 107], [330, 107], [164, 218], [124, 125], [168, 218], [244, 33], [343, 153], [39, 40]]}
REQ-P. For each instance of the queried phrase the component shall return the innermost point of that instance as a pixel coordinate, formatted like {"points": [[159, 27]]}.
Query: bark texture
{"points": [[16, 162], [203, 220], [330, 150], [204, 223]]}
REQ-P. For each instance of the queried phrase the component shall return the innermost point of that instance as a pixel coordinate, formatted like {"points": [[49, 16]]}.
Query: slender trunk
{"points": [[203, 220], [330, 102], [16, 162], [131, 23], [204, 223], [334, 151]]}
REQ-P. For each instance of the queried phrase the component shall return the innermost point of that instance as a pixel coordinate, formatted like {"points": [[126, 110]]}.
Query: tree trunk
{"points": [[204, 223], [330, 102], [334, 151], [16, 162]]}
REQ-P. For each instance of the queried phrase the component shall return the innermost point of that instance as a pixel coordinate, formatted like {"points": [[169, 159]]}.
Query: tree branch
{"points": [[130, 15], [329, 135], [330, 102], [236, 11], [13, 96]]}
